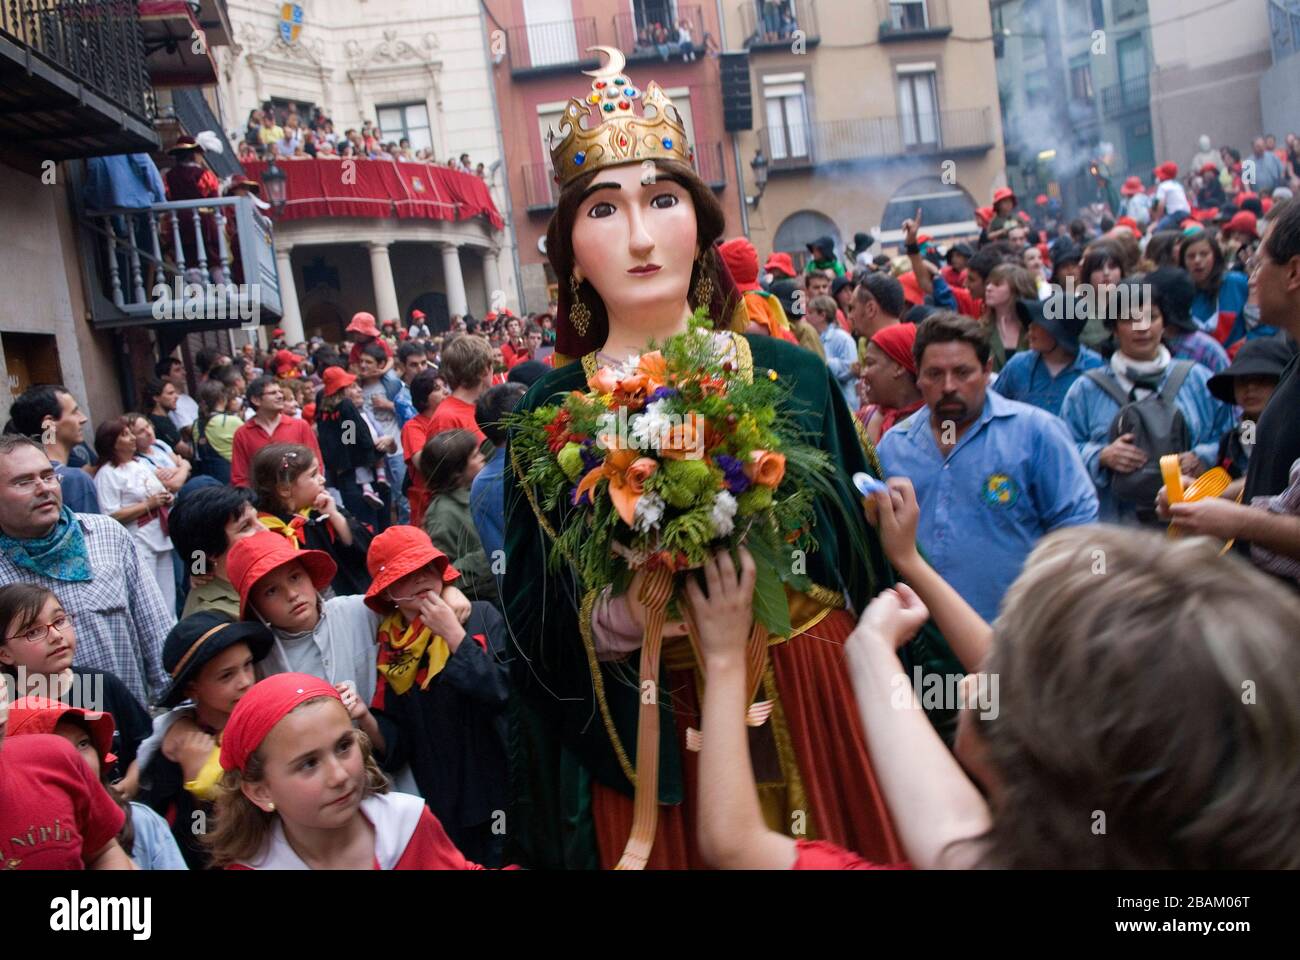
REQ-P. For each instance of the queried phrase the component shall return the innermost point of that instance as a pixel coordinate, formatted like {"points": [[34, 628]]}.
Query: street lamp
{"points": [[759, 166], [274, 181]]}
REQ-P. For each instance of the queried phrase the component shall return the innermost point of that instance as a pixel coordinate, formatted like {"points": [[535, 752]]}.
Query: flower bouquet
{"points": [[670, 457]]}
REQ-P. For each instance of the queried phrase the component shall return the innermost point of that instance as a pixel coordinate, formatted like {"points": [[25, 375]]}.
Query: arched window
{"points": [[802, 228], [946, 209]]}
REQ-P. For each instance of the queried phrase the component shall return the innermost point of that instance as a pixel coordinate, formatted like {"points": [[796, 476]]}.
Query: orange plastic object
{"points": [[1208, 485], [1172, 473]]}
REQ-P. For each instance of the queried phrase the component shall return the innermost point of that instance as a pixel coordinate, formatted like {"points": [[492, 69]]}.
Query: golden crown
{"points": [[621, 135]]}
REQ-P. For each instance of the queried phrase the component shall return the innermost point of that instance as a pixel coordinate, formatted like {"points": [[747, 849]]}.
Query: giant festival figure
{"points": [[595, 783]]}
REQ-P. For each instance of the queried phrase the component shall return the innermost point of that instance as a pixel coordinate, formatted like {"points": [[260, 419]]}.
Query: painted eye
{"points": [[600, 210], [664, 201]]}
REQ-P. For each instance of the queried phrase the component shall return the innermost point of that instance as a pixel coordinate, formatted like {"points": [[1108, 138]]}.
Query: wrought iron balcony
{"points": [[1127, 96], [902, 20], [779, 26], [556, 46], [635, 37], [804, 146], [206, 263], [73, 78]]}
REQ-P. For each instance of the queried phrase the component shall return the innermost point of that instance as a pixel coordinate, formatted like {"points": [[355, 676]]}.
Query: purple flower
{"points": [[661, 393], [590, 458], [734, 473]]}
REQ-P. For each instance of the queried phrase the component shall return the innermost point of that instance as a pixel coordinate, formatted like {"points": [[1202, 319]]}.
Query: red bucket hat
{"points": [[1131, 224], [782, 262], [1167, 171], [1210, 168], [42, 715], [741, 259], [258, 711], [983, 216], [399, 551], [1132, 187], [1243, 221], [417, 314], [1005, 193], [335, 379], [363, 323], [252, 558]]}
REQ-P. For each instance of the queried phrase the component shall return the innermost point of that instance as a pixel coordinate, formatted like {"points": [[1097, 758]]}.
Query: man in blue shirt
{"points": [[51, 416], [1042, 375], [992, 476], [841, 352], [487, 495]]}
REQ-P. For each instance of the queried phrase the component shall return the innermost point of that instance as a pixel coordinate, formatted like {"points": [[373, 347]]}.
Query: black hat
{"points": [[784, 290], [1063, 331], [863, 241], [528, 372], [963, 248], [825, 244], [838, 284], [1173, 291], [1265, 357], [197, 639]]}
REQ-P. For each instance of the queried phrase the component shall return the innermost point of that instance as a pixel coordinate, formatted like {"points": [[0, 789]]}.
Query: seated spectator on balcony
{"points": [[480, 171], [50, 415], [253, 130], [271, 132], [659, 33], [465, 165], [685, 43], [190, 179]]}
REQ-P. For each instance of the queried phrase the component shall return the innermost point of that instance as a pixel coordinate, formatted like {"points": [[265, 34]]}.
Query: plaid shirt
{"points": [[1199, 348], [119, 614]]}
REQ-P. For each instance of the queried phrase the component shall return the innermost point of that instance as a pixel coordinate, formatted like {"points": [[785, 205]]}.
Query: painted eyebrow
{"points": [[610, 185]]}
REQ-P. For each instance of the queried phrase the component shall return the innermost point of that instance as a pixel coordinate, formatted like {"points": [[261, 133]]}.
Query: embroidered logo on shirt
{"points": [[1000, 490]]}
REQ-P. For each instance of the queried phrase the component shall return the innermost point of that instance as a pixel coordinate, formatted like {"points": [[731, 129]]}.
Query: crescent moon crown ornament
{"points": [[617, 131]]}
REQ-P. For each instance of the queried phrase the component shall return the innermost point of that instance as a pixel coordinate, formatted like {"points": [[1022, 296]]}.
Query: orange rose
{"points": [[686, 440], [766, 468], [641, 471], [603, 380]]}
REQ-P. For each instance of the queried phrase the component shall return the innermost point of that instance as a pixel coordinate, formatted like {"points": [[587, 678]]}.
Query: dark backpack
{"points": [[1158, 428]]}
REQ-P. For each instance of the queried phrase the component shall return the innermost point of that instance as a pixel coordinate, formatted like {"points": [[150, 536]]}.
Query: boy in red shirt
{"points": [[467, 366], [54, 814]]}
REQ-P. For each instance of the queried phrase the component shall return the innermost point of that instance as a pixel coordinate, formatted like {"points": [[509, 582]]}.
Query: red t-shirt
{"points": [[822, 855], [454, 414], [54, 814], [414, 435], [252, 437], [966, 304]]}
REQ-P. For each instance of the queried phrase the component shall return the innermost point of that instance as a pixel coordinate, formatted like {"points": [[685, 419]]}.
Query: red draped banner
{"points": [[380, 188]]}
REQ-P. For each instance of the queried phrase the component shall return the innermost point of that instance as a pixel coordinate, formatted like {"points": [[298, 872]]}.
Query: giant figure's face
{"points": [[634, 239]]}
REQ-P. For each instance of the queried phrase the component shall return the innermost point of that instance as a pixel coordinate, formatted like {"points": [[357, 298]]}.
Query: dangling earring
{"points": [[579, 314], [703, 287]]}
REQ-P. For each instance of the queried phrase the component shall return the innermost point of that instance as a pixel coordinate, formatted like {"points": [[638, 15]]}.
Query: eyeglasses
{"points": [[51, 479], [36, 634]]}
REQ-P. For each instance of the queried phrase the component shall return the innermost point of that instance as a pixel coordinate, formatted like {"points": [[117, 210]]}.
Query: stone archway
{"points": [[802, 228], [436, 313], [946, 209], [323, 319]]}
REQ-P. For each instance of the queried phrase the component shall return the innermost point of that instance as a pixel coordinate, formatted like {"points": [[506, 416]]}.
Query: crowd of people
{"points": [[276, 587], [279, 132]]}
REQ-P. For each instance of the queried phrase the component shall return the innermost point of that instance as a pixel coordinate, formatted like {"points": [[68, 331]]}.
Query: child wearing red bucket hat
{"points": [[274, 812], [444, 685], [281, 587], [56, 815], [145, 836], [1172, 206]]}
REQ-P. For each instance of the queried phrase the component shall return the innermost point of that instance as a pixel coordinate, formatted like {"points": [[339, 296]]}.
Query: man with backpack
{"points": [[1140, 407], [992, 476]]}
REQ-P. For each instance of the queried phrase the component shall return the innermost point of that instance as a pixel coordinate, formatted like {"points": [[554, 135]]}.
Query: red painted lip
{"points": [[649, 268]]}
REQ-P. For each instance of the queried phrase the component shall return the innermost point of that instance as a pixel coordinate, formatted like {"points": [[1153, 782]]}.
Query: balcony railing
{"points": [[556, 45], [98, 42], [1130, 95], [213, 258], [73, 81], [541, 191], [913, 19], [1284, 26], [636, 38], [778, 26], [847, 141]]}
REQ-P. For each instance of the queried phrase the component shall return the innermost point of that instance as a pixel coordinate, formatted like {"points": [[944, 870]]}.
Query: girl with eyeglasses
{"points": [[37, 651]]}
